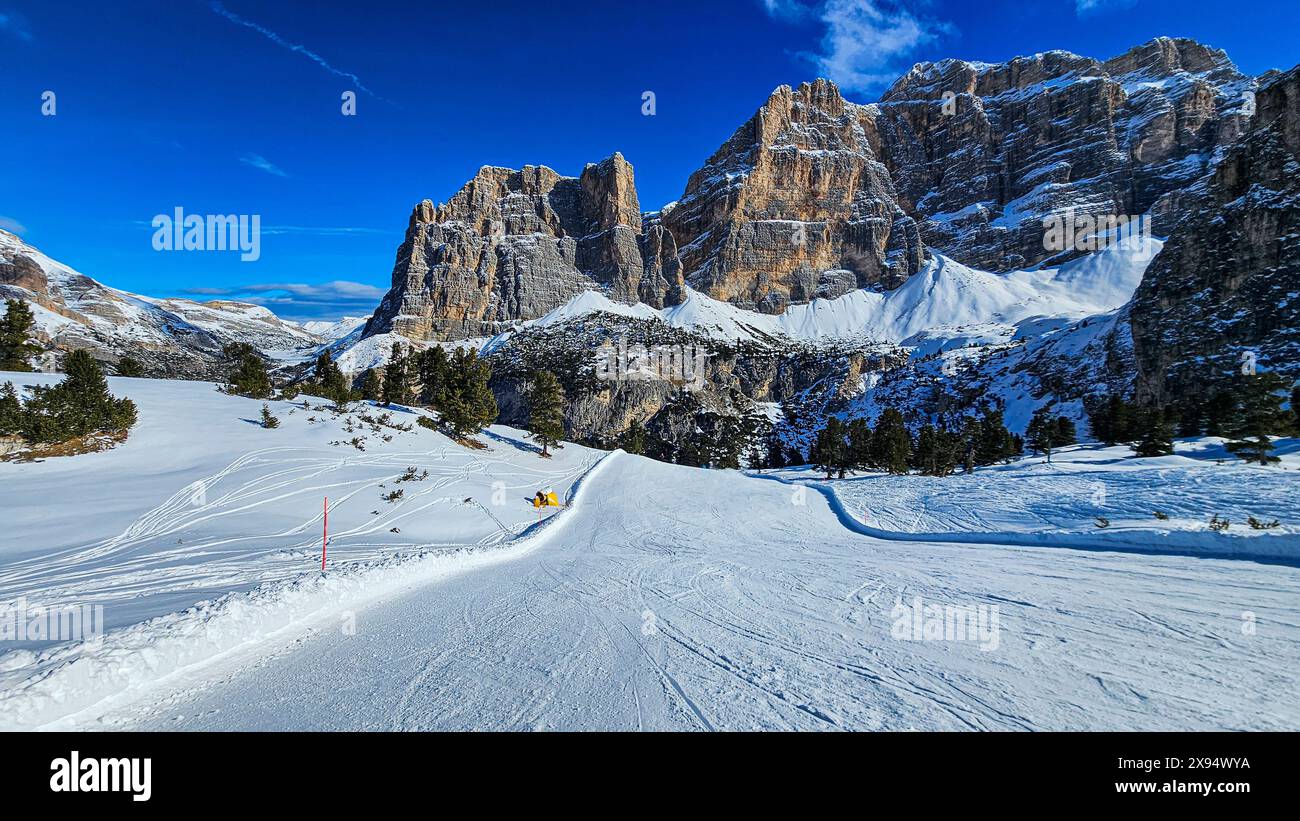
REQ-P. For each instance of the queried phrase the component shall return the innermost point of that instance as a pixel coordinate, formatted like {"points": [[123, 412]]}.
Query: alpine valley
{"points": [[832, 258]]}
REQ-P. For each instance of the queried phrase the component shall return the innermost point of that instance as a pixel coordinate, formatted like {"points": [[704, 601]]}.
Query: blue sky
{"points": [[234, 108]]}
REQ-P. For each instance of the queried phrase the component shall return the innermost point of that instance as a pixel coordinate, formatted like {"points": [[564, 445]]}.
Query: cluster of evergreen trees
{"points": [[77, 406], [1046, 432], [936, 450], [1247, 411], [456, 386]]}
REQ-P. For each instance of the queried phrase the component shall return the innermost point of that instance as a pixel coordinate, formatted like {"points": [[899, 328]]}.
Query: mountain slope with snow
{"points": [[943, 296], [170, 337], [662, 597]]}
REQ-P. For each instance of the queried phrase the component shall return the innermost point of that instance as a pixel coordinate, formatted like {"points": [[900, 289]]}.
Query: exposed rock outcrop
{"points": [[1225, 291], [795, 206], [1021, 140], [516, 244]]}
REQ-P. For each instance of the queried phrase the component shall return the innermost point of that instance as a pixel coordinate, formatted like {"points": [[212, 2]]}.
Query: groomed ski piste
{"points": [[658, 598]]}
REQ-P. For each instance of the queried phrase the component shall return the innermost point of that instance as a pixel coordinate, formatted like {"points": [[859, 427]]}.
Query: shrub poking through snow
{"points": [[393, 496], [1164, 517], [1256, 524], [1218, 524], [1102, 522]]}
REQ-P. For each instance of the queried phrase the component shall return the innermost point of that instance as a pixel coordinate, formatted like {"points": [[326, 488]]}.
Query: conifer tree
{"points": [[1041, 432], [11, 421], [1219, 412], [130, 366], [330, 381], [432, 375], [633, 439], [372, 385], [468, 404], [268, 420], [250, 377], [891, 443], [16, 345], [970, 439], [1065, 432], [1153, 431], [397, 381], [859, 434], [776, 455], [831, 450], [1257, 415], [546, 410], [79, 405]]}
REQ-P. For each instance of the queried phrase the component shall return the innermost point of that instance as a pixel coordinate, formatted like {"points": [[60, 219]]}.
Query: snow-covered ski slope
{"points": [[663, 598], [201, 503], [1092, 496], [689, 599]]}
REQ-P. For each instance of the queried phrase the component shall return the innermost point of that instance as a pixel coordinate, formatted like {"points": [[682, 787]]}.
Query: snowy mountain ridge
{"points": [[168, 336]]}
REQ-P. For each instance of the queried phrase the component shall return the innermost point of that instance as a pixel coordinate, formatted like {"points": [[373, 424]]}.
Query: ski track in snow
{"points": [[683, 599]]}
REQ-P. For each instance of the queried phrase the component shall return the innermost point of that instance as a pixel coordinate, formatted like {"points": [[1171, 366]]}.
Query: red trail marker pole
{"points": [[325, 534]]}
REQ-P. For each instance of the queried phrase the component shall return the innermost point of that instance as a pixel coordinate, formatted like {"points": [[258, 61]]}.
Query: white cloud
{"points": [[864, 40], [12, 225], [258, 161]]}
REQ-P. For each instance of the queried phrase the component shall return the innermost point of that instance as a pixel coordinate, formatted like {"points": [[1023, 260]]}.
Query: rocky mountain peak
{"points": [[794, 206], [516, 244]]}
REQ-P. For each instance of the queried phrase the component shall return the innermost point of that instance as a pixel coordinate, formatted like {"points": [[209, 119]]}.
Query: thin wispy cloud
{"points": [[15, 25], [1089, 8], [12, 225], [864, 41], [262, 163], [322, 231], [221, 10]]}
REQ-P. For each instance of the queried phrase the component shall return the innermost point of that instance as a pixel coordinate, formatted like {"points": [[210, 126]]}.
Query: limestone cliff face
{"points": [[794, 206], [1021, 140], [816, 196], [1226, 284], [517, 244]]}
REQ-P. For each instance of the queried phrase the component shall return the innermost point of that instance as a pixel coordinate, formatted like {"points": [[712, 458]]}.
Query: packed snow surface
{"points": [[661, 597]]}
